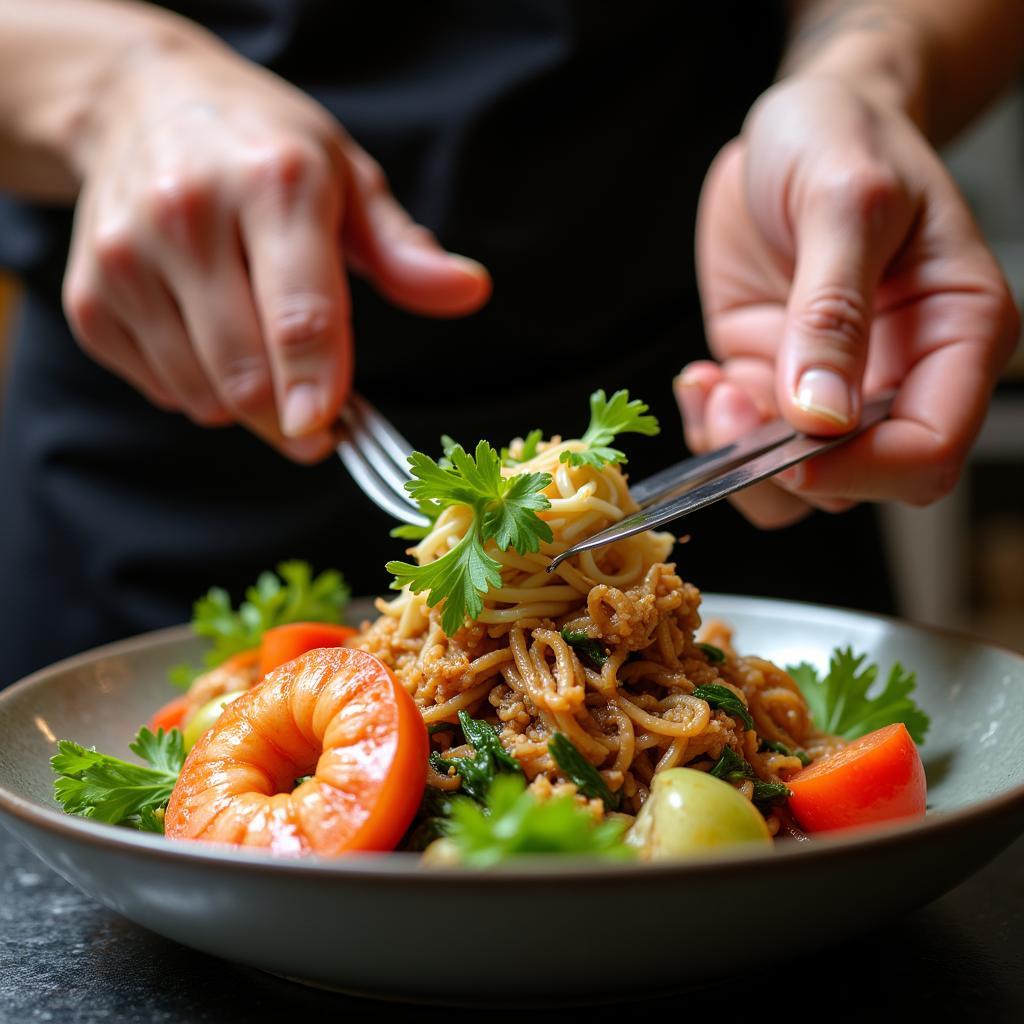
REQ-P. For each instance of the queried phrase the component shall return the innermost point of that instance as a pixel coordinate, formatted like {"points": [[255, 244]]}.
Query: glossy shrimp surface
{"points": [[336, 714]]}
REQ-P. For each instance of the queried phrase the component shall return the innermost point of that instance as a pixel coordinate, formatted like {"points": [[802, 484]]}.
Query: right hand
{"points": [[218, 211]]}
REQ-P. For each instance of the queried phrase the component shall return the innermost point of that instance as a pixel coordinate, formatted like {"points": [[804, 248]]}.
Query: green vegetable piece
{"points": [[719, 696], [714, 654], [514, 823], [94, 785], [781, 748], [840, 703], [586, 645], [292, 594], [578, 770], [608, 419], [731, 767], [504, 510], [489, 758], [530, 443]]}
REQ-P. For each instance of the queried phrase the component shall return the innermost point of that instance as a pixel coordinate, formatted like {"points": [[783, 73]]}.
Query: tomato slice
{"points": [[171, 715], [876, 778], [285, 643]]}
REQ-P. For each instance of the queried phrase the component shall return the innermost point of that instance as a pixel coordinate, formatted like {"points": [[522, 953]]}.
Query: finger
{"points": [[691, 388], [729, 414], [107, 341], [846, 229], [289, 235], [402, 259]]}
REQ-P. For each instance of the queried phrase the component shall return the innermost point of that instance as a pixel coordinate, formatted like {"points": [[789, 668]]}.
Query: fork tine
{"points": [[374, 486], [374, 453], [384, 433]]}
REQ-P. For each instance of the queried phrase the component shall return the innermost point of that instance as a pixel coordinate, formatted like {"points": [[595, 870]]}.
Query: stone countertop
{"points": [[66, 959]]}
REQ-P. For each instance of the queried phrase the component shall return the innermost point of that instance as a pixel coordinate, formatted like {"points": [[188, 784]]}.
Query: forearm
{"points": [[62, 60], [941, 62]]}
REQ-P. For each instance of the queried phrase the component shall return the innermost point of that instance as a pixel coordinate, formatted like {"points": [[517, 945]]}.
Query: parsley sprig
{"points": [[292, 594], [610, 417], [840, 703], [504, 511], [99, 786]]}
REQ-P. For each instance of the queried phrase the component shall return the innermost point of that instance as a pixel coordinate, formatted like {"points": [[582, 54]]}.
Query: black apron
{"points": [[563, 145]]}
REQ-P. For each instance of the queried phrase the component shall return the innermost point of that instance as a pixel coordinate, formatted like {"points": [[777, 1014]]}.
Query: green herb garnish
{"points": [[587, 645], [608, 419], [714, 654], [731, 767], [578, 770], [719, 696], [94, 785], [489, 758], [781, 748], [292, 594], [840, 703], [504, 510], [530, 443], [513, 823]]}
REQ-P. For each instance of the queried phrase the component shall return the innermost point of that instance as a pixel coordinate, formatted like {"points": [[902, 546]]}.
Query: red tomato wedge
{"points": [[878, 777], [171, 715], [337, 715], [285, 643]]}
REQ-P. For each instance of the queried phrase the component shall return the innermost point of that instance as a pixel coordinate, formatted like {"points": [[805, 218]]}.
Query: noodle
{"points": [[631, 717]]}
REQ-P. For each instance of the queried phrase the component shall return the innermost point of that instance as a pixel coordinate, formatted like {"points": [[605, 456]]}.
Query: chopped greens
{"points": [[489, 758], [578, 770], [719, 696], [513, 822], [714, 654], [530, 443], [733, 768], [504, 510], [781, 748], [608, 419], [99, 786], [292, 594], [587, 645], [840, 703]]}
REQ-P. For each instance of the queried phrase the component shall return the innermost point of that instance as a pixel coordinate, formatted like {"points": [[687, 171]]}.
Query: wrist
{"points": [[883, 56]]}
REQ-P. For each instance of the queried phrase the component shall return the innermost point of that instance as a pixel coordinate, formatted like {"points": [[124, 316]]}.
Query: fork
{"points": [[376, 455]]}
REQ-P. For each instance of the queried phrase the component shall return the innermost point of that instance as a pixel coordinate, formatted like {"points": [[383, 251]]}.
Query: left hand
{"points": [[835, 258]]}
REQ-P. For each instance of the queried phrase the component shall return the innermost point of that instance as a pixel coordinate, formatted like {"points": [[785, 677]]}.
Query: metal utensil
{"points": [[698, 482]]}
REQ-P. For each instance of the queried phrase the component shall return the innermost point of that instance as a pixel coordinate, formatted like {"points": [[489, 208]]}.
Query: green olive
{"points": [[690, 812], [206, 715]]}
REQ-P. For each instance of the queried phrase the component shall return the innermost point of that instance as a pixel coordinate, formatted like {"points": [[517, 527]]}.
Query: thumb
{"points": [[401, 258], [844, 238]]}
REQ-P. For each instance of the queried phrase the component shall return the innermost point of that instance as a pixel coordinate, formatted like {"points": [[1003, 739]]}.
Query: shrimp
{"points": [[336, 714]]}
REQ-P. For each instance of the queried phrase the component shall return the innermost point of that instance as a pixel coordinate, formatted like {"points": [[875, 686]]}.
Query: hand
{"points": [[219, 208], [835, 256]]}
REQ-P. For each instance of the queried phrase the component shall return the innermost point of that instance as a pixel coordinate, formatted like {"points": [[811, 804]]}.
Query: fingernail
{"points": [[469, 265], [302, 410], [824, 393], [691, 398]]}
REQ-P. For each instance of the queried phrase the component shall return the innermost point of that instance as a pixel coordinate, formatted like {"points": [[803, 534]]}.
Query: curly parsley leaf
{"points": [[719, 696], [99, 786], [841, 703], [292, 594], [514, 823], [610, 417], [489, 758], [504, 510], [731, 767], [587, 645], [577, 769]]}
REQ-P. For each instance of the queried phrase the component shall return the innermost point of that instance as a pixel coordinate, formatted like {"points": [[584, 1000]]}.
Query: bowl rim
{"points": [[399, 867]]}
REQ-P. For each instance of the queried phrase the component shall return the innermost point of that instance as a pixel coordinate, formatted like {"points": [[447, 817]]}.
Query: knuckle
{"points": [[245, 386], [289, 166], [838, 316], [302, 325], [866, 191], [116, 251], [84, 309], [180, 203]]}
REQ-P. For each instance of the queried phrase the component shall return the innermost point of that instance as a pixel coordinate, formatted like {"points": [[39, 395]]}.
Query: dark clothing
{"points": [[563, 145]]}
